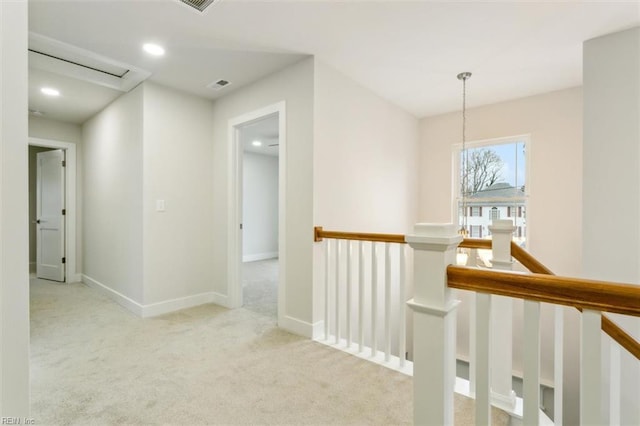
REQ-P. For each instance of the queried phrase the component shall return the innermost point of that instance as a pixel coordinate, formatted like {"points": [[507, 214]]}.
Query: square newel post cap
{"points": [[502, 226], [434, 236]]}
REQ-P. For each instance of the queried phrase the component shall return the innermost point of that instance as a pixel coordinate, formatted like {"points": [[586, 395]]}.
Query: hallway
{"points": [[94, 362]]}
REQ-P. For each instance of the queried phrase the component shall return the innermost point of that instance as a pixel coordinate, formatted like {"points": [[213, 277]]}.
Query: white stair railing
{"points": [[365, 292], [376, 278]]}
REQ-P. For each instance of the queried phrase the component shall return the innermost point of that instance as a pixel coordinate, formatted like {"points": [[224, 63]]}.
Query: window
{"points": [[491, 177]]}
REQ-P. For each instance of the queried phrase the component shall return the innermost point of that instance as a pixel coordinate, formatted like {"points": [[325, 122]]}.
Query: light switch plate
{"points": [[159, 205]]}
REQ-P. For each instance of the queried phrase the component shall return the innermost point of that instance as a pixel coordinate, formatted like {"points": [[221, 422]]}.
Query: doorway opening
{"points": [[52, 210], [260, 148], [257, 194]]}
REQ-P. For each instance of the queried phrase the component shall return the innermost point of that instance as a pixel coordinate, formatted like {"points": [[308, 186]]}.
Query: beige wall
{"points": [[554, 215], [554, 123]]}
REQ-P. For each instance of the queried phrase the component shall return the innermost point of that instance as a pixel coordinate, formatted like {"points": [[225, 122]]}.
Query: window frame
{"points": [[455, 188]]}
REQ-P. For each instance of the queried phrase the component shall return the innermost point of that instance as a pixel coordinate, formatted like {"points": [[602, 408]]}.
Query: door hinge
{"points": [[64, 163], [240, 226], [64, 260], [64, 212]]}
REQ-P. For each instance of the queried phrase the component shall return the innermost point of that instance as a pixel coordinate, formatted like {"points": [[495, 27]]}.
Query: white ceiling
{"points": [[407, 52], [264, 130]]}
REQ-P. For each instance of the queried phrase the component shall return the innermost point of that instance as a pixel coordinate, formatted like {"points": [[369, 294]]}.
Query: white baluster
{"points": [[374, 300], [360, 296], [590, 368], [614, 383], [503, 395], [402, 334], [387, 302], [337, 293], [473, 341], [483, 348], [348, 293], [531, 369], [558, 366], [434, 323], [327, 259]]}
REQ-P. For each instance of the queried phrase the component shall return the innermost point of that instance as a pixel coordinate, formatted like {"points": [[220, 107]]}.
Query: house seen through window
{"points": [[492, 185]]}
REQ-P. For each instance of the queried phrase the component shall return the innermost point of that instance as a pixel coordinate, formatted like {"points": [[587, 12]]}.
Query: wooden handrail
{"points": [[614, 331], [623, 338], [528, 261], [319, 234], [476, 243], [585, 294]]}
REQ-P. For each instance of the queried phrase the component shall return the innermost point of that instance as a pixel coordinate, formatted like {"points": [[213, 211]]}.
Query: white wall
{"points": [[259, 206], [178, 168], [554, 220], [112, 196], [294, 85], [365, 158], [44, 128], [611, 235], [14, 251]]}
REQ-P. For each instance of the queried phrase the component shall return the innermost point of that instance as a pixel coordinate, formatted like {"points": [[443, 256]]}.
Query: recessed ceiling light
{"points": [[153, 49], [256, 143], [50, 91]]}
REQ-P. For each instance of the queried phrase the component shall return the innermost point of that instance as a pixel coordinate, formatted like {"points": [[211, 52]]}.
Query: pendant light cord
{"points": [[464, 76]]}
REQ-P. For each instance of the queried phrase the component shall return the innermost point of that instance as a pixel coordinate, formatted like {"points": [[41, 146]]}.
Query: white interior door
{"points": [[50, 215]]}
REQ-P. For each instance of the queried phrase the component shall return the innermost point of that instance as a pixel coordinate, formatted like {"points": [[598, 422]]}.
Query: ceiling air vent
{"points": [[200, 5], [219, 84]]}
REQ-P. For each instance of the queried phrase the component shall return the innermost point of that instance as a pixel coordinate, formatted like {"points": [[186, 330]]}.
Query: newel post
{"points": [[502, 394], [434, 323]]}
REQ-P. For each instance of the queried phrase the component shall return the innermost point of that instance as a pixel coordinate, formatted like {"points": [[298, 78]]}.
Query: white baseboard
{"points": [[75, 278], [221, 299], [504, 402], [120, 298], [259, 256], [167, 306], [318, 330], [299, 327], [155, 309]]}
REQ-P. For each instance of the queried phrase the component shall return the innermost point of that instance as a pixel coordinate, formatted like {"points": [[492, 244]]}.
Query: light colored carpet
{"points": [[260, 287], [92, 362]]}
